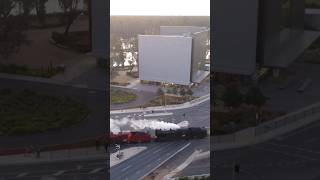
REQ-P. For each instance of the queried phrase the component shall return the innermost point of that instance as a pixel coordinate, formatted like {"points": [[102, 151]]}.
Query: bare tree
{"points": [[40, 6], [27, 6], [12, 29], [71, 12], [6, 6]]}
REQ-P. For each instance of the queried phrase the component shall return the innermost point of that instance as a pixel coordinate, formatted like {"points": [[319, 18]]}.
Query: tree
{"points": [[232, 97], [27, 6], [12, 29], [160, 92], [182, 92], [71, 12], [134, 51], [119, 53], [6, 6], [189, 92], [40, 6], [255, 97]]}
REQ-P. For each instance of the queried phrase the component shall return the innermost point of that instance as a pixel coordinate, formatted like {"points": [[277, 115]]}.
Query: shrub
{"points": [[232, 97], [255, 97]]}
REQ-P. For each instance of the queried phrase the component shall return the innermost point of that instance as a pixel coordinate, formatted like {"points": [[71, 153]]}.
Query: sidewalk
{"points": [[190, 104], [54, 156], [246, 137]]}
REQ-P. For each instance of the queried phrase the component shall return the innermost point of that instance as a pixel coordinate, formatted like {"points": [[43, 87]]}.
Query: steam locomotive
{"points": [[158, 135]]}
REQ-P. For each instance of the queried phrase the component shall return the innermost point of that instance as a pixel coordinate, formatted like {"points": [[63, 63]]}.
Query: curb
{"points": [[265, 137], [75, 159], [44, 81], [189, 104]]}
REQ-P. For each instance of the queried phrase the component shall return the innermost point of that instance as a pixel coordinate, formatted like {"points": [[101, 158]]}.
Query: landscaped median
{"points": [[46, 72], [26, 112], [121, 97]]}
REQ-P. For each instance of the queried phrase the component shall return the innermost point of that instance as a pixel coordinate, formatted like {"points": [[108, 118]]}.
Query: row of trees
{"points": [[119, 49], [13, 27]]}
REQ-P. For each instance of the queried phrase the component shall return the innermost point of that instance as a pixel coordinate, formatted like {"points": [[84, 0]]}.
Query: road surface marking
{"points": [[59, 173], [124, 169], [157, 151], [22, 174], [96, 170]]}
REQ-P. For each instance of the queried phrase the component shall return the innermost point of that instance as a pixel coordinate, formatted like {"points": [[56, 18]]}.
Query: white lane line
{"points": [[22, 174], [96, 170], [59, 173], [124, 169], [157, 151], [168, 158]]}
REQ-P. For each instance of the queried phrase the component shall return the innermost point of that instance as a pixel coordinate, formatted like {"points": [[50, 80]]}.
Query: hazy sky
{"points": [[160, 7]]}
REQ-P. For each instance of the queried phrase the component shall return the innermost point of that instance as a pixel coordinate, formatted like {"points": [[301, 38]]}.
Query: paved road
{"points": [[293, 156], [79, 170], [143, 163], [197, 116], [95, 125]]}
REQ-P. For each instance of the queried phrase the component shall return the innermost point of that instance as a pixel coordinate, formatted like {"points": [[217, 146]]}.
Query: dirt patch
{"points": [[120, 78]]}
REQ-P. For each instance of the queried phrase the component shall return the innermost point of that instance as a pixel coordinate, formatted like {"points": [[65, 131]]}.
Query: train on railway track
{"points": [[158, 135]]}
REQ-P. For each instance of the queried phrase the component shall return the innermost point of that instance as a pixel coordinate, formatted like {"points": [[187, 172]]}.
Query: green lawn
{"points": [[26, 112], [121, 97]]}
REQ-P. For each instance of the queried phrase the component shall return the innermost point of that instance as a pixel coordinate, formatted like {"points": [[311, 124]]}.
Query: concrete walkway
{"points": [[90, 153], [233, 141], [192, 103]]}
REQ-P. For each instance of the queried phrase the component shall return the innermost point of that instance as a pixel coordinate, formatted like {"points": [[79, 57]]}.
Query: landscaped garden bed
{"points": [[26, 112], [24, 70], [77, 40], [168, 100], [240, 118], [121, 97]]}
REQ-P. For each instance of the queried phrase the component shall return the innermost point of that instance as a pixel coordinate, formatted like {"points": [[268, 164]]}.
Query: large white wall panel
{"points": [[165, 58]]}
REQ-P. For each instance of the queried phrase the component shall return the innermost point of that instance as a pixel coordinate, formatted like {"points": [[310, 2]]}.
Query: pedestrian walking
{"points": [[237, 169]]}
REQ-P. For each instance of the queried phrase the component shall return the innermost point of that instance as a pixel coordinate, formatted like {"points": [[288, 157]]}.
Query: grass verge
{"points": [[27, 112], [121, 97]]}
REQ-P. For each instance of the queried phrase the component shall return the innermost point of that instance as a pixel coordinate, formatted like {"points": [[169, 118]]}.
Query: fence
{"points": [[252, 133]]}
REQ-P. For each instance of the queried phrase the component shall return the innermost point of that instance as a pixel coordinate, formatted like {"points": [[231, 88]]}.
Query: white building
{"points": [[175, 56]]}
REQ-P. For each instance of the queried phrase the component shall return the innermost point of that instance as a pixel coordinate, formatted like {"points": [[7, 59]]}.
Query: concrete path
{"points": [[54, 156], [164, 108]]}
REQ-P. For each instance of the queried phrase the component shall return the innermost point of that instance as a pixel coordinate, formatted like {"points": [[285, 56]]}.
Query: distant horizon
{"points": [[166, 15], [160, 8]]}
